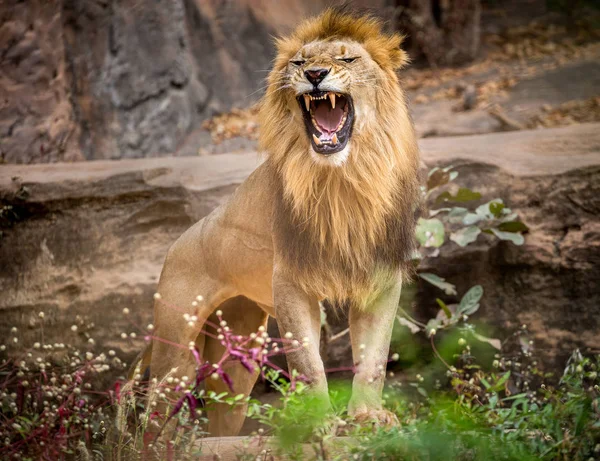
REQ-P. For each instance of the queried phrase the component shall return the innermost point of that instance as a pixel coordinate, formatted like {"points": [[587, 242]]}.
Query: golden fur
{"points": [[346, 210], [304, 226]]}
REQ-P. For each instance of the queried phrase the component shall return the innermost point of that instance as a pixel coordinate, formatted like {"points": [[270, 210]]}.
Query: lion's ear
{"points": [[398, 57], [386, 51]]}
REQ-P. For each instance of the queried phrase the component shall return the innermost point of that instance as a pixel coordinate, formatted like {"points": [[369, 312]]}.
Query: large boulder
{"points": [[82, 241]]}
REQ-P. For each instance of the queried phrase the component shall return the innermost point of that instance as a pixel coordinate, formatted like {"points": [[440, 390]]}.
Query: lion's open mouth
{"points": [[328, 118]]}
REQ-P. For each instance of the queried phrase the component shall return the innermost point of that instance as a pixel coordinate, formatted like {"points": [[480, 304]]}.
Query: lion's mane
{"points": [[345, 230]]}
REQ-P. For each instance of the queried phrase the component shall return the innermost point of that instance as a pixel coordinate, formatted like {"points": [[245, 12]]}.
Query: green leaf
{"points": [[503, 380], [485, 209], [514, 237], [442, 304], [508, 217], [471, 310], [439, 282], [495, 343], [515, 397], [463, 195], [433, 324], [493, 401], [457, 213], [470, 301], [496, 208], [466, 235], [513, 226], [430, 232], [432, 213], [413, 327], [472, 218], [437, 178]]}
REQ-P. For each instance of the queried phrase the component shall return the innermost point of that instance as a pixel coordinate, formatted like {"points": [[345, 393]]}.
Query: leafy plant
{"points": [[464, 226]]}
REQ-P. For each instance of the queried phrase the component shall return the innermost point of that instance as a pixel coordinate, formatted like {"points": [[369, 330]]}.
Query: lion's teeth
{"points": [[334, 139], [307, 102], [316, 140], [332, 99]]}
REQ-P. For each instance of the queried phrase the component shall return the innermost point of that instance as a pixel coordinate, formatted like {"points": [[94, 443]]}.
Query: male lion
{"points": [[328, 215]]}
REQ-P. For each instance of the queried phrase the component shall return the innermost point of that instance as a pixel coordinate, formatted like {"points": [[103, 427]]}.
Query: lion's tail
{"points": [[141, 363]]}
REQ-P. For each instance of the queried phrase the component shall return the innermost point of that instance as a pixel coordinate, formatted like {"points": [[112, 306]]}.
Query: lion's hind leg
{"points": [[188, 296], [243, 317]]}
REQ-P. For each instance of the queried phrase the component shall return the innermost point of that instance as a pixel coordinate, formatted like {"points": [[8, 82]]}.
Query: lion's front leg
{"points": [[370, 333], [299, 314]]}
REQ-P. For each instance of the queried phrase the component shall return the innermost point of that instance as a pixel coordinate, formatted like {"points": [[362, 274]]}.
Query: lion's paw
{"points": [[381, 418]]}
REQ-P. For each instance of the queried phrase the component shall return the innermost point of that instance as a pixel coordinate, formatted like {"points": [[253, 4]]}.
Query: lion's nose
{"points": [[316, 76]]}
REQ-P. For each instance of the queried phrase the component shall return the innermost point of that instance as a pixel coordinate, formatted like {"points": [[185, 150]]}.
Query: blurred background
{"points": [[173, 84], [91, 80]]}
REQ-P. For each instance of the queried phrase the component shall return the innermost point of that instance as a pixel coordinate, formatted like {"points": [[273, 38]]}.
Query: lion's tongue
{"points": [[328, 118]]}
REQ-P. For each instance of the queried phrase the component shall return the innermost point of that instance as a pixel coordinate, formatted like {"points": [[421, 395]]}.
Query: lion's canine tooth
{"points": [[332, 99], [316, 140], [334, 139], [307, 102]]}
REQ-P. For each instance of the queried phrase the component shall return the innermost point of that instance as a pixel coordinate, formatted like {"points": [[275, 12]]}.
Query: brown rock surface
{"points": [[86, 79], [89, 238], [37, 120], [552, 282]]}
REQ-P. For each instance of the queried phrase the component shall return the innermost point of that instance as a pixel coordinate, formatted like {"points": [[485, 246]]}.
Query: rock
{"points": [[440, 118], [122, 79], [232, 448], [88, 80], [92, 237], [88, 239], [37, 121], [551, 178], [534, 98], [446, 33], [469, 97]]}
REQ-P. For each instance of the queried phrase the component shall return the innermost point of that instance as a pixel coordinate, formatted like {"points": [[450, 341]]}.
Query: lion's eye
{"points": [[297, 63], [348, 60]]}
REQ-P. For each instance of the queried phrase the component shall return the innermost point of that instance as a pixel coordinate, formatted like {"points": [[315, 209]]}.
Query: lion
{"points": [[329, 215]]}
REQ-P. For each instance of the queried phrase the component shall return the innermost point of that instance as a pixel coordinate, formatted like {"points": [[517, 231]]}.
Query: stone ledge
{"points": [[529, 153], [90, 237]]}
